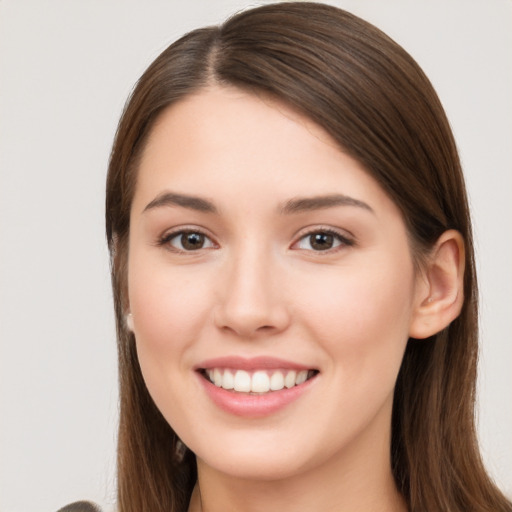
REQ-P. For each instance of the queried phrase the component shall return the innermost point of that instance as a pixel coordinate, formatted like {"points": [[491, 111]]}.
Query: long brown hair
{"points": [[375, 101]]}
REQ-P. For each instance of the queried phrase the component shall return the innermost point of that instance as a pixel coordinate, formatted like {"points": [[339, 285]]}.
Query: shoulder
{"points": [[80, 506]]}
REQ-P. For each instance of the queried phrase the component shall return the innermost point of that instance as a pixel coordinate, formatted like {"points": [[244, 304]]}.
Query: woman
{"points": [[293, 275]]}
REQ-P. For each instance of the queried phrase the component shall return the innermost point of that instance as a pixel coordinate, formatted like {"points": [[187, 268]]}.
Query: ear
{"points": [[440, 288], [129, 321]]}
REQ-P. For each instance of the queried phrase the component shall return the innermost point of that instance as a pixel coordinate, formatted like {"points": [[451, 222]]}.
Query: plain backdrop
{"points": [[66, 68]]}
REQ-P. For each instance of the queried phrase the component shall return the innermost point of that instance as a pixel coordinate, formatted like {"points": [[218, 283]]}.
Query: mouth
{"points": [[256, 382], [255, 387]]}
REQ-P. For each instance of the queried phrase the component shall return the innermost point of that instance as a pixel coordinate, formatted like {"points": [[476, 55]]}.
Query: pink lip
{"points": [[249, 405], [250, 364]]}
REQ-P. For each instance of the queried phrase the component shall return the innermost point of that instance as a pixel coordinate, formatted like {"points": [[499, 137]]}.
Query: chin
{"points": [[262, 454], [256, 465]]}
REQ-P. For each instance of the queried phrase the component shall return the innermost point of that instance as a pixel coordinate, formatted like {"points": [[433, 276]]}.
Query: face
{"points": [[271, 286]]}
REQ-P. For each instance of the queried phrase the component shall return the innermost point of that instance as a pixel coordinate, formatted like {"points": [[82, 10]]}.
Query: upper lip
{"points": [[250, 364]]}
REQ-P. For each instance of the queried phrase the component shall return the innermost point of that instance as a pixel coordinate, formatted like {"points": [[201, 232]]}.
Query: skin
{"points": [[259, 288]]}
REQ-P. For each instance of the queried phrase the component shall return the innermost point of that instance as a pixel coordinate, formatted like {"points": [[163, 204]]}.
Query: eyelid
{"points": [[168, 235], [347, 239]]}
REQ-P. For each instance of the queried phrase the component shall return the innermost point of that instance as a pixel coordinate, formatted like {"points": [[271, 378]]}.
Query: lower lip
{"points": [[253, 406]]}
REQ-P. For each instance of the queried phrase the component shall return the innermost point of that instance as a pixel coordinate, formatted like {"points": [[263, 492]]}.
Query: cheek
{"points": [[169, 307], [361, 318]]}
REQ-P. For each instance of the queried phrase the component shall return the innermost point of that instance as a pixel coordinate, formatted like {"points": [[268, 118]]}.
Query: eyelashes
{"points": [[187, 240], [316, 240], [322, 240]]}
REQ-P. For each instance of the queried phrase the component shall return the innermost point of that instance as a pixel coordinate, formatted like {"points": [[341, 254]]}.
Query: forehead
{"points": [[219, 117], [227, 143]]}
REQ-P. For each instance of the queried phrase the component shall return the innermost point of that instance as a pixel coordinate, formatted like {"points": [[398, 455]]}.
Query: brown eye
{"points": [[319, 241], [192, 241], [187, 241]]}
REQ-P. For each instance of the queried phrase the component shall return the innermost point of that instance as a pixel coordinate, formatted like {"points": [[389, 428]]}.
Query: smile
{"points": [[258, 381], [255, 387]]}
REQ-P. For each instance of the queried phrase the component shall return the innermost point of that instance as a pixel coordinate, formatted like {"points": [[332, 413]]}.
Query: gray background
{"points": [[65, 71]]}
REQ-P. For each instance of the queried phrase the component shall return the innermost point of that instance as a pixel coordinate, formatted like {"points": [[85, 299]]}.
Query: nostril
{"points": [[249, 320]]}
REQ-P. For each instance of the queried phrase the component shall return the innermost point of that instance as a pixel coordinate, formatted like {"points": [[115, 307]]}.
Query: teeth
{"points": [[289, 380], [217, 377], [228, 380], [242, 381], [277, 381], [301, 377], [261, 381]]}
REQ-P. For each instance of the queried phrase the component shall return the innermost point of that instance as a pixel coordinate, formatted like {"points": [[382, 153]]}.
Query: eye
{"points": [[187, 241], [322, 240]]}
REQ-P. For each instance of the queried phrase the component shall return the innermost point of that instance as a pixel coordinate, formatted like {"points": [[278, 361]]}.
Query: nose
{"points": [[251, 300]]}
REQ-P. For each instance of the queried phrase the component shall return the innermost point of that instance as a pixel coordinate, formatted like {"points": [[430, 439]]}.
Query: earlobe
{"points": [[129, 321], [440, 297]]}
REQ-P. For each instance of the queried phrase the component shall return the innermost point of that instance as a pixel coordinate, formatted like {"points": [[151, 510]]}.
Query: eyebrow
{"points": [[296, 205], [185, 201], [304, 204]]}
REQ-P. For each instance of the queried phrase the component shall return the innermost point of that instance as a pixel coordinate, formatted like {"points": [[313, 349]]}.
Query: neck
{"points": [[358, 479], [283, 497]]}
